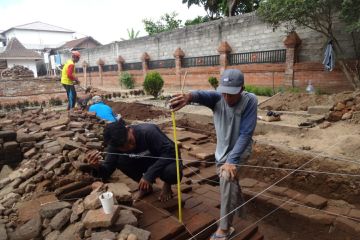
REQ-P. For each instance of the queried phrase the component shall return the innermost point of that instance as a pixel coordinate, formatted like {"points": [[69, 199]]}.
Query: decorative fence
{"points": [[200, 61], [271, 56], [167, 63]]}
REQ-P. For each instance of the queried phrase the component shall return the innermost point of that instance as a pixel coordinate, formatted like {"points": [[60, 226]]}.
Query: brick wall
{"points": [[244, 33]]}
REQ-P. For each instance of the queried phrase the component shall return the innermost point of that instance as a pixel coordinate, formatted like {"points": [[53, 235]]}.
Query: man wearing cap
{"points": [[68, 78], [235, 114], [102, 110]]}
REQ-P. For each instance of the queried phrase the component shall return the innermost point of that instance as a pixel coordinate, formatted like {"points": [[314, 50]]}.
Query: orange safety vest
{"points": [[64, 77]]}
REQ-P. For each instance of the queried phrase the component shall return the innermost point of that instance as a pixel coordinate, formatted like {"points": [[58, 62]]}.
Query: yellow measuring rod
{"points": [[177, 166]]}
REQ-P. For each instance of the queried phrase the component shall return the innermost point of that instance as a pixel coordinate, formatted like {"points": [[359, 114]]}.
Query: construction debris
{"points": [[17, 72]]}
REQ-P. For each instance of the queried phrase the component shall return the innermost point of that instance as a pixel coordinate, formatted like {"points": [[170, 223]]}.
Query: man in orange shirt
{"points": [[68, 78]]}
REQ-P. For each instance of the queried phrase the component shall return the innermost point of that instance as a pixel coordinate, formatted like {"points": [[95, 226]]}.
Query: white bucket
{"points": [[107, 202]]}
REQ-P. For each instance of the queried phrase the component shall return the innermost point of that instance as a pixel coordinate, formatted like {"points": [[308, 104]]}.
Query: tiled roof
{"points": [[41, 27], [75, 43], [15, 50]]}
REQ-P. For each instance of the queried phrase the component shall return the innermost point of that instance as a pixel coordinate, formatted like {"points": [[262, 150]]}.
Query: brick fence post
{"points": [[291, 42], [178, 54], [224, 49], [145, 63], [101, 63], [85, 65], [120, 62]]}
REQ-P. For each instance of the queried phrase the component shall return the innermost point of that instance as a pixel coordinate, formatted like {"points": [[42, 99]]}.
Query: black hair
{"points": [[88, 89], [116, 134]]}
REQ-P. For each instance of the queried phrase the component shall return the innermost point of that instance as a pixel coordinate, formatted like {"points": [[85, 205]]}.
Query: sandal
{"points": [[226, 236]]}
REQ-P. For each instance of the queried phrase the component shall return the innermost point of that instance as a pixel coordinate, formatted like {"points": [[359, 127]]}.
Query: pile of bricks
{"points": [[17, 72], [47, 197], [346, 109]]}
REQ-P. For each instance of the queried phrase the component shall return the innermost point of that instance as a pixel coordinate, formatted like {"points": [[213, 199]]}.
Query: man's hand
{"points": [[93, 157], [179, 101], [230, 169], [76, 81], [144, 185]]}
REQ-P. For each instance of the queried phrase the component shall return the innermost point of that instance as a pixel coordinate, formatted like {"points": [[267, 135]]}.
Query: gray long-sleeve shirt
{"points": [[234, 125]]}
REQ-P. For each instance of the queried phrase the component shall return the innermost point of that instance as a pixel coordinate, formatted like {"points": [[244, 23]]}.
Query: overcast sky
{"points": [[105, 20]]}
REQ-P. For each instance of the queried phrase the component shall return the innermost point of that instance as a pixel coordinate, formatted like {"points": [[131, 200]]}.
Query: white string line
{"points": [[305, 206], [281, 179], [254, 223], [242, 165]]}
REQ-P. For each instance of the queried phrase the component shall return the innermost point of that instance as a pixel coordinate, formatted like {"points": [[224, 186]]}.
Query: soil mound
{"points": [[301, 101], [137, 111]]}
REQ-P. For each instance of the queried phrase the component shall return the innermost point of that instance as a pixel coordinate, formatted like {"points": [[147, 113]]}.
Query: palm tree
{"points": [[131, 34]]}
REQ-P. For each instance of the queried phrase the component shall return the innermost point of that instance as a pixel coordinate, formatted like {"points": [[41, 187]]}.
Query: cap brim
{"points": [[228, 90]]}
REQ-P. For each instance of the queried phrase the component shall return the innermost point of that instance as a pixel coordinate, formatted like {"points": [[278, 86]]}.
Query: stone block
{"points": [[141, 234], [73, 232], [165, 229], [54, 163], [10, 146], [97, 218], [67, 144], [121, 191], [126, 217], [3, 233], [92, 201], [103, 235], [8, 135], [53, 235], [29, 230], [200, 222], [315, 201], [73, 124], [53, 123], [248, 182], [60, 219], [51, 209], [30, 153], [354, 213], [94, 145]]}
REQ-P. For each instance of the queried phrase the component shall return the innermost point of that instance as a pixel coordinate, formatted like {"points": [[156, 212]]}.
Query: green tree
{"points": [[167, 22], [218, 8], [320, 16], [197, 20], [132, 34]]}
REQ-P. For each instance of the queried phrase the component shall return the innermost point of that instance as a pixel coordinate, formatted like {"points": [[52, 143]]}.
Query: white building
{"points": [[16, 54], [39, 35]]}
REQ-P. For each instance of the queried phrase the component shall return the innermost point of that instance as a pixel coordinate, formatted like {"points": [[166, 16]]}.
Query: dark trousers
{"points": [[135, 168], [71, 95]]}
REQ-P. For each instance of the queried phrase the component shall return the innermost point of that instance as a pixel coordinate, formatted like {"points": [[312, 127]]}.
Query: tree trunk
{"points": [[352, 78]]}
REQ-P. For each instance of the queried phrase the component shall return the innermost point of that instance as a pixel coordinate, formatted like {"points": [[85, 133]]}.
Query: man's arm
{"points": [[70, 73], [247, 128], [163, 147], [205, 98]]}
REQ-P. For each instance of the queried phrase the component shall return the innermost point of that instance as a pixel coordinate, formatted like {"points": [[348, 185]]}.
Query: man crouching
{"points": [[142, 152]]}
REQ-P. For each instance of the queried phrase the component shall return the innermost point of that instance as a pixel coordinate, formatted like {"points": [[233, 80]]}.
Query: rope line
{"points": [[252, 198], [243, 165]]}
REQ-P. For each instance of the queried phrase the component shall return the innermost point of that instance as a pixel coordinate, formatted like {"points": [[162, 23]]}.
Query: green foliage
{"points": [[197, 20], [217, 8], [294, 90], [126, 80], [350, 14], [132, 34], [167, 22], [213, 82], [153, 83], [260, 91]]}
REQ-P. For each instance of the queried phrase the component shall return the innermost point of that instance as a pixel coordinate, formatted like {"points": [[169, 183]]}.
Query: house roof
{"points": [[77, 42], [15, 50], [40, 26]]}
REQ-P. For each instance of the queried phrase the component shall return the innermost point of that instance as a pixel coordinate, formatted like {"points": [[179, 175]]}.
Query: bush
{"points": [[260, 91], [213, 82], [153, 84], [126, 80]]}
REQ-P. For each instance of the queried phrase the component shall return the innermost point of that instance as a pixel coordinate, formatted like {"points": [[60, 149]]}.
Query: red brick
{"points": [[151, 214], [97, 218], [248, 182], [354, 213], [316, 201], [165, 229], [200, 222]]}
